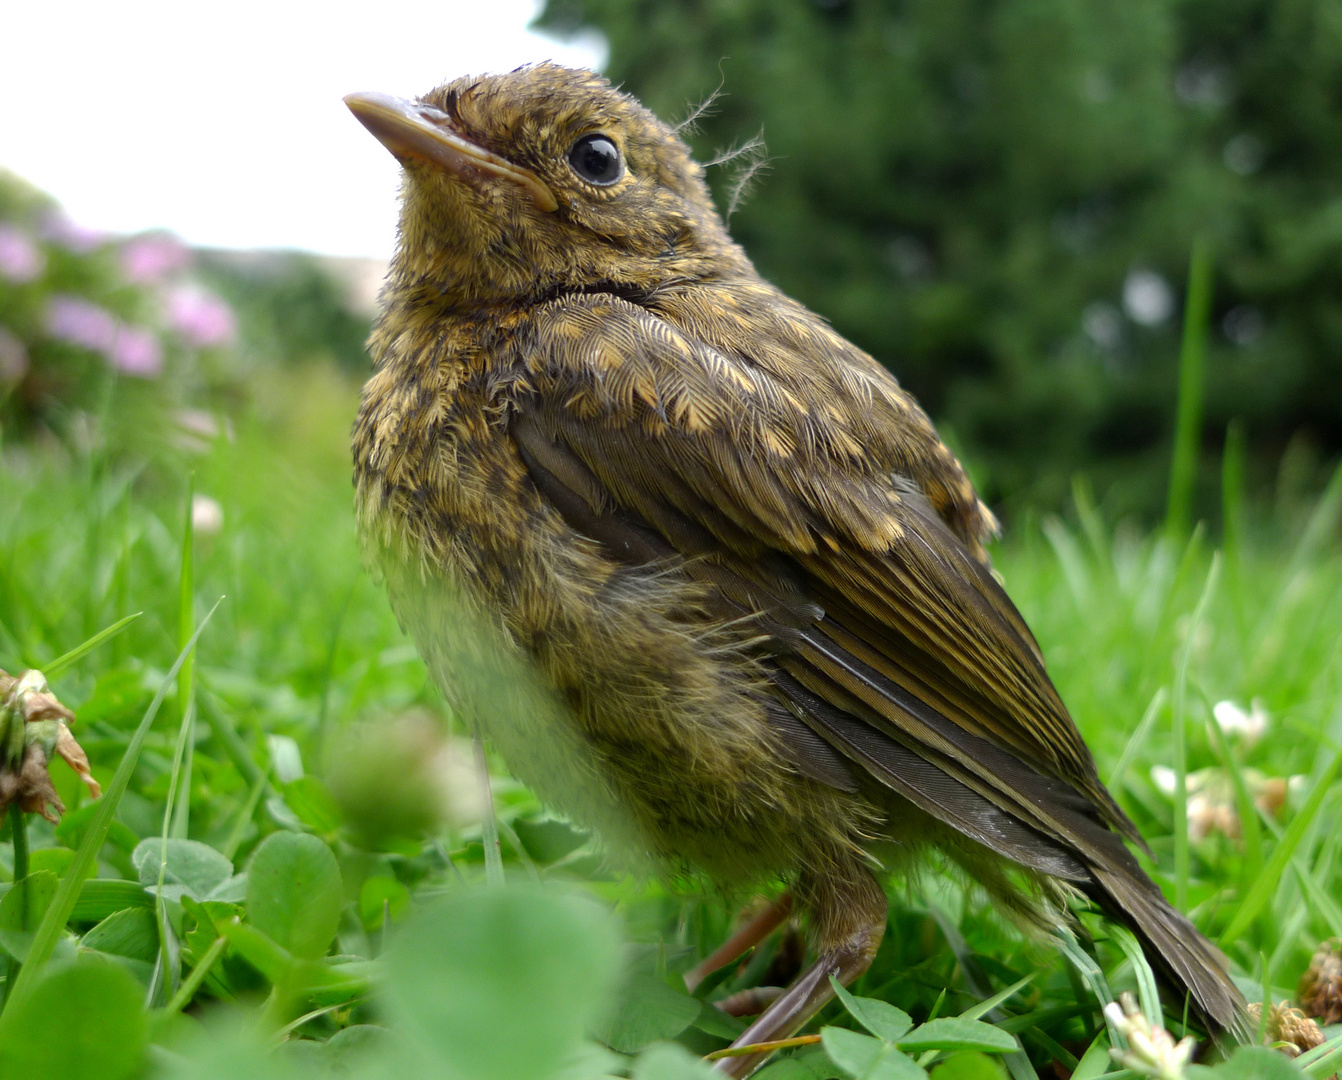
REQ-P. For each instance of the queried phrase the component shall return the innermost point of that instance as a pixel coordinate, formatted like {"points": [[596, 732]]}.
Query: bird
{"points": [[732, 548]]}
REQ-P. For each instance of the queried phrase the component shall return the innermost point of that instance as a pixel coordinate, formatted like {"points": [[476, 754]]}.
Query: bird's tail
{"points": [[1190, 964]]}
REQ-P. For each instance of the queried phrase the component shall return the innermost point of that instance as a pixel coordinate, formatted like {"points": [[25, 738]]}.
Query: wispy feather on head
{"points": [[748, 159]]}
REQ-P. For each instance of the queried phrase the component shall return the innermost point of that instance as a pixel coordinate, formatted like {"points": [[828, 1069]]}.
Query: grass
{"points": [[1144, 631]]}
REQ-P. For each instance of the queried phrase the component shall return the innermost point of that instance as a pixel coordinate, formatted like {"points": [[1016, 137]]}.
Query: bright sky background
{"points": [[223, 121]]}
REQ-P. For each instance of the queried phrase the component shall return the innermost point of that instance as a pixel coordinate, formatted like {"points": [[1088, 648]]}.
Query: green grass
{"points": [[1141, 636]]}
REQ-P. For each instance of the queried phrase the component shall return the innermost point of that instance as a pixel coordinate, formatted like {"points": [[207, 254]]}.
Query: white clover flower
{"points": [[1164, 779], [1233, 720], [207, 516], [1147, 297], [1152, 1050]]}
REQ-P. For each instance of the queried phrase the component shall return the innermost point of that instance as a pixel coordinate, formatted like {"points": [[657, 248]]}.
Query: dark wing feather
{"points": [[656, 436], [897, 651]]}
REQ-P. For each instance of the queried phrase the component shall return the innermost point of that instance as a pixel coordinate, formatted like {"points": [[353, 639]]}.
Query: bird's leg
{"points": [[756, 930], [849, 917], [803, 999]]}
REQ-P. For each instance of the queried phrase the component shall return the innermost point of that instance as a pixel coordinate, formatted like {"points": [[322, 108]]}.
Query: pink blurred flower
{"points": [[136, 351], [20, 259], [80, 322], [153, 257], [130, 349], [80, 239], [201, 318]]}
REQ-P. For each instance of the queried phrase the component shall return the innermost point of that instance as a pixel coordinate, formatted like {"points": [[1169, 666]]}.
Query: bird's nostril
{"points": [[434, 115]]}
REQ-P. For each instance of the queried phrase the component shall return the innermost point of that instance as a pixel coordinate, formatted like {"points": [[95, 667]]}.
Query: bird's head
{"points": [[538, 181]]}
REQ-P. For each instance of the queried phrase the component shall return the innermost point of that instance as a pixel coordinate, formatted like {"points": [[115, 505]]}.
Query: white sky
{"points": [[223, 121]]}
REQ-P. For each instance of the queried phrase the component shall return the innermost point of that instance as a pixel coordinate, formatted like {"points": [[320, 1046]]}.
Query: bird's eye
{"points": [[596, 159]]}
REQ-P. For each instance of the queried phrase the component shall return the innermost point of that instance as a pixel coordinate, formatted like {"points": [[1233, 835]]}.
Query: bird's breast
{"points": [[610, 689]]}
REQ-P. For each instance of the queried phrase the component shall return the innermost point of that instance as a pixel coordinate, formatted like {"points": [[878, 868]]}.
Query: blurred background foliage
{"points": [[998, 201]]}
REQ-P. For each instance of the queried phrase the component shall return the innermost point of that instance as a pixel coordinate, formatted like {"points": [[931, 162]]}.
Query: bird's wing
{"points": [[894, 643]]}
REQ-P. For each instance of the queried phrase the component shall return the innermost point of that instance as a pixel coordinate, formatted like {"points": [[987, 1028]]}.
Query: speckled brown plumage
{"points": [[730, 543]]}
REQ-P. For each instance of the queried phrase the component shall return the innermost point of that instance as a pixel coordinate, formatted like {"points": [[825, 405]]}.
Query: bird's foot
{"points": [[750, 935], [806, 996]]}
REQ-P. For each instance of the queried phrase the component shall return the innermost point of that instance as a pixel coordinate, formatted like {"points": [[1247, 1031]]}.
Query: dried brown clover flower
{"points": [[1290, 1030], [1320, 989], [33, 727]]}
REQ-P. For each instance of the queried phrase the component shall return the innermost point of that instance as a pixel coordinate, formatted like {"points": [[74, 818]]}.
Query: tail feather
{"points": [[1050, 828], [1174, 946]]}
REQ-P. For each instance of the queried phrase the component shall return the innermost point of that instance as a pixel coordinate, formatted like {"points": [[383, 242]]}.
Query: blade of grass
{"points": [[58, 914], [515, 842], [1192, 388], [191, 983], [974, 1012], [1167, 578], [1081, 995], [1099, 985], [293, 1025], [1018, 1064], [216, 713], [58, 665], [1321, 522], [985, 1007], [1251, 829], [1323, 1060], [18, 830], [1074, 569], [239, 830], [1179, 757], [164, 967], [19, 597], [1147, 992], [1265, 1002], [186, 621], [1232, 494], [1323, 865], [321, 737], [757, 1048], [1323, 905], [489, 827], [970, 968], [1296, 576], [1091, 523], [1048, 1015], [1137, 739], [1291, 931], [1267, 882], [1055, 1050], [1095, 1061]]}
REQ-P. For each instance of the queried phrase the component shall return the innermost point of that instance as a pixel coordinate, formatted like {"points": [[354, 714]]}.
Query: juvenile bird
{"points": [[728, 541]]}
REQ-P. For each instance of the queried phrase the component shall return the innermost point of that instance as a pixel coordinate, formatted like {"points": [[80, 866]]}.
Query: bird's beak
{"points": [[411, 129]]}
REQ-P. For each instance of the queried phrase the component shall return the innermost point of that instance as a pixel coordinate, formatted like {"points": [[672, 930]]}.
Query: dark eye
{"points": [[596, 159]]}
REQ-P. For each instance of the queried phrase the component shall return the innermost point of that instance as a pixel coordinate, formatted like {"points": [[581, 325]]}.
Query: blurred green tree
{"points": [[998, 200]]}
